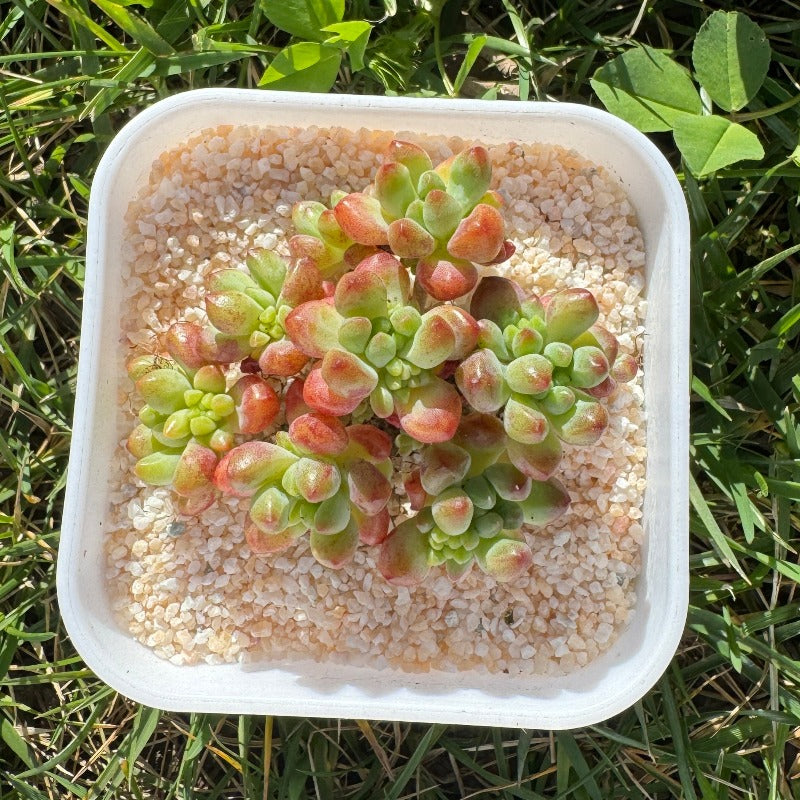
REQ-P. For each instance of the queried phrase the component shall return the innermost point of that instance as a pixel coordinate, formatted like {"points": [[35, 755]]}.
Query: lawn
{"points": [[724, 720]]}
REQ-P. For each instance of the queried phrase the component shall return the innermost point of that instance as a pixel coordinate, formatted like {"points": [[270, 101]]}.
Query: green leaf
{"points": [[303, 67], [731, 56], [473, 51], [352, 37], [16, 744], [710, 143], [303, 18], [646, 88], [136, 27]]}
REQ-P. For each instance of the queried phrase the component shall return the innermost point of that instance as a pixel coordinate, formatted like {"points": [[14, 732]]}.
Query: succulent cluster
{"points": [[361, 334]]}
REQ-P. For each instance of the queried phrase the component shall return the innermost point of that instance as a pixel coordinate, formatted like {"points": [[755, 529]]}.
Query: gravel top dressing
{"points": [[189, 587]]}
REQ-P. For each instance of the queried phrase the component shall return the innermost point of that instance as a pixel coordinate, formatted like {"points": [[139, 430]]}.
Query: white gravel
{"points": [[189, 588]]}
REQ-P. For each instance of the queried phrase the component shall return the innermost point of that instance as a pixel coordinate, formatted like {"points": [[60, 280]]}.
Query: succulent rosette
{"points": [[321, 477], [191, 417], [321, 240], [547, 365], [373, 343], [250, 308], [443, 221], [471, 507]]}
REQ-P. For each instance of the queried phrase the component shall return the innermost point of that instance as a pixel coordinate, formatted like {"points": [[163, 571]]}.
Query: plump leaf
{"points": [[710, 143], [483, 438], [321, 434], [479, 236], [446, 278], [403, 559], [411, 156], [337, 549], [497, 299], [731, 56], [360, 217], [480, 379], [303, 67], [646, 88], [314, 326], [303, 18], [547, 501], [430, 413], [505, 558]]}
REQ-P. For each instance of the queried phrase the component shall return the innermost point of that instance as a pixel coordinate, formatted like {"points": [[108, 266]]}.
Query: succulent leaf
{"points": [[394, 188], [480, 378], [372, 528], [347, 375], [370, 490], [403, 558], [429, 413], [411, 156], [505, 559], [589, 367], [508, 481], [479, 236], [282, 358], [547, 501], [261, 543], [269, 271], [531, 374], [361, 294], [483, 438], [232, 312], [469, 176], [316, 481], [320, 397], [256, 404], [319, 434], [441, 214], [393, 274], [269, 511], [443, 465], [453, 511], [368, 443], [538, 461], [158, 468], [163, 389], [335, 550], [408, 239], [333, 514], [251, 465], [523, 423], [445, 278], [569, 313], [433, 342], [361, 218], [313, 327], [303, 283], [583, 424]]}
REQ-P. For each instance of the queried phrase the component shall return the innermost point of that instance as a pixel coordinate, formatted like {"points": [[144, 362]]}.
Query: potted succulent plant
{"points": [[351, 390]]}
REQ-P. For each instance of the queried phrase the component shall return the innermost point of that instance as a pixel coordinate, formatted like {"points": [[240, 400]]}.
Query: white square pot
{"points": [[607, 686]]}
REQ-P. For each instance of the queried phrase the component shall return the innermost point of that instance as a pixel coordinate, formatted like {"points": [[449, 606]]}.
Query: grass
{"points": [[723, 722]]}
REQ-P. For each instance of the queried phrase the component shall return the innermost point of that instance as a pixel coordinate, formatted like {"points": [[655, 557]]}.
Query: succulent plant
{"points": [[189, 419], [443, 220], [372, 342], [321, 240], [472, 507], [321, 477], [250, 308], [547, 365]]}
